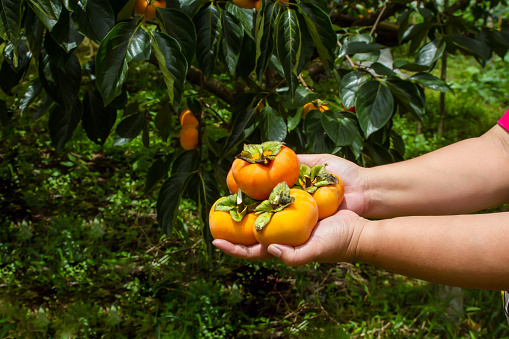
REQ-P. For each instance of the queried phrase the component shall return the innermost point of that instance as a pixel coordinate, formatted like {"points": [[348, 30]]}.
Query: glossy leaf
{"points": [[374, 106], [430, 53], [407, 94], [264, 31], [34, 30], [231, 41], [65, 34], [62, 124], [341, 127], [94, 18], [208, 30], [127, 41], [163, 122], [288, 47], [10, 23], [180, 27], [378, 154], [321, 31], [129, 128], [98, 120], [358, 47], [302, 97], [477, 48], [272, 125], [169, 198], [317, 139], [61, 83], [48, 11], [172, 64], [349, 86], [157, 171], [244, 16], [431, 81], [243, 118], [30, 95]]}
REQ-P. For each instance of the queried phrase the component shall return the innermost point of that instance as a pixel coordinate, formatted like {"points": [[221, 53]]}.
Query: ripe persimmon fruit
{"points": [[230, 182], [143, 8], [327, 189], [232, 219], [187, 118], [288, 217], [247, 4], [310, 106], [259, 168], [188, 137]]}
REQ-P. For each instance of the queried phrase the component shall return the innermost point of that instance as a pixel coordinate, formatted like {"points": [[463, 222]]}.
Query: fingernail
{"points": [[274, 251]]}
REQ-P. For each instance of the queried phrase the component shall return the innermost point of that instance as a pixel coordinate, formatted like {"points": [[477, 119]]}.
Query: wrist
{"points": [[366, 243]]}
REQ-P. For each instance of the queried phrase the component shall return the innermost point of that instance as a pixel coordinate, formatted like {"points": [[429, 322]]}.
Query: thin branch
{"points": [[377, 20]]}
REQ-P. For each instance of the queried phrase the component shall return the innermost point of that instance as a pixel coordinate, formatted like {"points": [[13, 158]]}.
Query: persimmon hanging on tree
{"points": [[288, 217], [327, 189], [259, 168], [144, 8], [311, 106]]}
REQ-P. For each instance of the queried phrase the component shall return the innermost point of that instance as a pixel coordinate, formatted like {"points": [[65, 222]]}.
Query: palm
{"points": [[348, 172]]}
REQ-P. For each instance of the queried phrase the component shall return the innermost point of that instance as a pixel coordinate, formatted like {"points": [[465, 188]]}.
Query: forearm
{"points": [[461, 178], [468, 251]]}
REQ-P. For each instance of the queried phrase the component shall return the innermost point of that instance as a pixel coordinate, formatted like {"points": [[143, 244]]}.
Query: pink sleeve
{"points": [[504, 121]]}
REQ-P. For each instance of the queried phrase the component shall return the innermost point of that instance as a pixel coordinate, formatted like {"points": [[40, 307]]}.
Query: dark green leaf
{"points": [[157, 171], [477, 48], [10, 22], [172, 64], [374, 106], [397, 143], [163, 122], [63, 123], [191, 7], [378, 154], [231, 42], [341, 127], [381, 69], [48, 11], [409, 66], [127, 41], [321, 31], [95, 18], [302, 97], [61, 84], [407, 94], [31, 94], [169, 198], [243, 118], [129, 128], [64, 32], [358, 47], [349, 86], [264, 31], [46, 105], [186, 162], [97, 119], [288, 47], [431, 81], [208, 29], [34, 30], [180, 27], [245, 17], [317, 139], [272, 125], [430, 53], [4, 116]]}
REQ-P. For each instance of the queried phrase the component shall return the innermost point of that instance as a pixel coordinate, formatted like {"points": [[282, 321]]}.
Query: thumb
{"points": [[291, 256]]}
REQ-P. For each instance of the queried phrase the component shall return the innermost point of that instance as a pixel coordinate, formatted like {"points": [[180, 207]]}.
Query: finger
{"points": [[309, 159], [255, 252], [293, 256]]}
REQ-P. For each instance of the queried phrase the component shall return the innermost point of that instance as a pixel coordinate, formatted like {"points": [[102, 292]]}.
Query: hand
{"points": [[334, 239], [352, 175]]}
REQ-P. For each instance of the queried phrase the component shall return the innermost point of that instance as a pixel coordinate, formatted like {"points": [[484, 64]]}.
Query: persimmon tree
{"points": [[270, 58]]}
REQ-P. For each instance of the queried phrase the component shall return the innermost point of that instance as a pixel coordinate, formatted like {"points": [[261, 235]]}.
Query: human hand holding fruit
{"points": [[334, 237]]}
